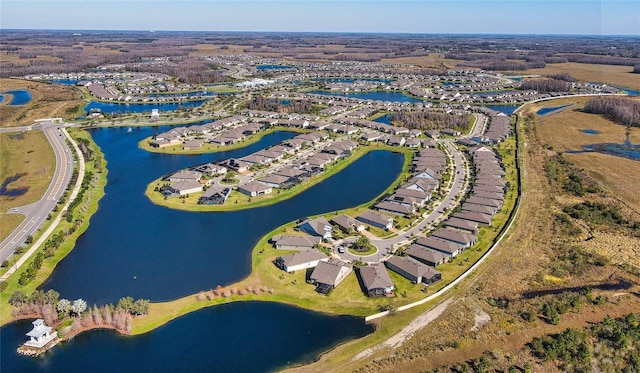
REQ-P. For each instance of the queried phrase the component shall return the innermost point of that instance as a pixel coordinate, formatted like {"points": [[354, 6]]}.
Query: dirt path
{"points": [[408, 331]]}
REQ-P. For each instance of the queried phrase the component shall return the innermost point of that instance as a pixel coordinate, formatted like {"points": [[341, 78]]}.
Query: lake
{"points": [[174, 253], [547, 110], [392, 96], [20, 97], [274, 67], [235, 337], [112, 108]]}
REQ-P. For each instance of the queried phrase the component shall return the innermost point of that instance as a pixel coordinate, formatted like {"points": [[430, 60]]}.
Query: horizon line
{"points": [[321, 32]]}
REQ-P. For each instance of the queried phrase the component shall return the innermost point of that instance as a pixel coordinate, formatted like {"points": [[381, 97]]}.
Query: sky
{"points": [[604, 17]]}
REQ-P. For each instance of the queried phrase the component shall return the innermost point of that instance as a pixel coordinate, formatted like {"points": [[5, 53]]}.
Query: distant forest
{"points": [[622, 110], [41, 52]]}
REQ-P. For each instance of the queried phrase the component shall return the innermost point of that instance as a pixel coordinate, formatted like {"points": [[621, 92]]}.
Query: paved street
{"points": [[37, 212]]}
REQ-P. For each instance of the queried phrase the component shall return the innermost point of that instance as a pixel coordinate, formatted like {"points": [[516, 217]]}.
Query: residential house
{"points": [[376, 280], [289, 242], [214, 196], [275, 181], [254, 188], [426, 255], [328, 275], [376, 220], [300, 260], [186, 187], [193, 144], [316, 227], [185, 175], [449, 248], [466, 226], [395, 208], [464, 239], [413, 270], [346, 223]]}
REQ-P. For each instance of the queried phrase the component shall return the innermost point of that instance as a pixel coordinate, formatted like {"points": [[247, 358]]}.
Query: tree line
{"points": [[54, 310], [622, 110], [425, 120], [546, 85]]}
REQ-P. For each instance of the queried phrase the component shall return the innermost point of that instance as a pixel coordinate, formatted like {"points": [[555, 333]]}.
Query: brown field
{"points": [[563, 130], [610, 74], [619, 176], [47, 101], [31, 155]]}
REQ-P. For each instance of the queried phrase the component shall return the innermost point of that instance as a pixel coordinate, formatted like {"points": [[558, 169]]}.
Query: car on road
{"points": [[341, 249], [15, 209]]}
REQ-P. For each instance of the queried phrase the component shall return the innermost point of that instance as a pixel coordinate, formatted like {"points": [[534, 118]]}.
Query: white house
{"points": [[40, 335]]}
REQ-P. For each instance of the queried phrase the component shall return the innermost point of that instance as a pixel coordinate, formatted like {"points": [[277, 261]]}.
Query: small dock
{"points": [[32, 351]]}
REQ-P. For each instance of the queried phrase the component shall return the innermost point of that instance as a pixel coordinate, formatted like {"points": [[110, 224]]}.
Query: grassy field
{"points": [[610, 74], [47, 101], [563, 132], [82, 213], [28, 154]]}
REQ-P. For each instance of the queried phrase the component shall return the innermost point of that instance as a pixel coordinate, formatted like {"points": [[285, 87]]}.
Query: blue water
{"points": [[274, 67], [386, 119], [1, 98], [631, 92], [20, 97], [492, 93], [174, 253], [626, 150], [374, 95], [237, 337], [5, 191], [547, 110], [181, 94], [591, 132], [506, 109], [112, 108], [65, 81]]}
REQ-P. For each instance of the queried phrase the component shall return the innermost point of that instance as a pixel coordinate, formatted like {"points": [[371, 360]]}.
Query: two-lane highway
{"points": [[36, 213]]}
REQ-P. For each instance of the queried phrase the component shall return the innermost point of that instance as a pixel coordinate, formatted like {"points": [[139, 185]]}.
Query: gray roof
{"points": [[254, 186], [424, 253], [344, 221], [297, 241], [302, 257], [448, 247], [328, 272], [412, 267], [375, 277], [473, 216], [318, 224], [394, 207], [453, 235], [484, 201], [374, 217]]}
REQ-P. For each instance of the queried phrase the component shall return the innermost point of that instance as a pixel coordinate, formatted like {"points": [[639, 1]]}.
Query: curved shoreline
{"points": [[268, 199], [252, 139]]}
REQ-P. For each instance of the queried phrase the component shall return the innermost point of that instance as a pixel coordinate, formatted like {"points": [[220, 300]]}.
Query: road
{"points": [[36, 213], [456, 187]]}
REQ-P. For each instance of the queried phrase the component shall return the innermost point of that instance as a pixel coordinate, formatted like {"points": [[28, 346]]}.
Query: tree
{"points": [[361, 244], [125, 304], [140, 307], [51, 297], [63, 305], [18, 298], [78, 306]]}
